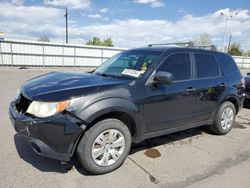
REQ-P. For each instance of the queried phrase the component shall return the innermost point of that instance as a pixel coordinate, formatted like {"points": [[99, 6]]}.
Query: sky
{"points": [[130, 23]]}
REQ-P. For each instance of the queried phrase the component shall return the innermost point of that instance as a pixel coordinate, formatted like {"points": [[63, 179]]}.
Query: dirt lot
{"points": [[192, 158]]}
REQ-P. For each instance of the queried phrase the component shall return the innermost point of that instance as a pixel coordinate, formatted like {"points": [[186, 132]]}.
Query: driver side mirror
{"points": [[163, 77]]}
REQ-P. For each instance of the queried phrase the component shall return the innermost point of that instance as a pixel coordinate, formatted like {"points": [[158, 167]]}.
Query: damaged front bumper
{"points": [[54, 137]]}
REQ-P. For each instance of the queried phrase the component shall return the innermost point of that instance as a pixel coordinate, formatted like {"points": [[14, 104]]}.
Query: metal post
{"points": [[224, 37], [63, 55], [43, 56], [75, 56], [229, 43], [243, 61], [11, 54], [1, 52], [102, 56], [66, 19]]}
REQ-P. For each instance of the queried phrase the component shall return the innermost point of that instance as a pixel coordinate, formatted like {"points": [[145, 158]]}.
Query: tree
{"points": [[107, 42], [248, 53], [203, 39], [235, 49], [98, 42], [95, 41], [44, 39]]}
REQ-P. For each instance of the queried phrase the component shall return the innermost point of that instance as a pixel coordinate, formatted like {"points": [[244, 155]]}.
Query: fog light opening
{"points": [[35, 148]]}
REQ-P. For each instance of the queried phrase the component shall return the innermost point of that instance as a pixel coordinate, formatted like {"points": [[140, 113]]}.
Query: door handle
{"points": [[190, 89], [222, 85]]}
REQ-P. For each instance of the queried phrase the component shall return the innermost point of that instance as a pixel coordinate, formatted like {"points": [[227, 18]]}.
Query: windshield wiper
{"points": [[106, 75]]}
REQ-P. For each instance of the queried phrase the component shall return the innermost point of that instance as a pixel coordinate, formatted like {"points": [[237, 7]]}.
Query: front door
{"points": [[171, 105]]}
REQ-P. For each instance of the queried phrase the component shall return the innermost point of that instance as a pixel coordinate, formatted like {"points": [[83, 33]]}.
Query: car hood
{"points": [[58, 86]]}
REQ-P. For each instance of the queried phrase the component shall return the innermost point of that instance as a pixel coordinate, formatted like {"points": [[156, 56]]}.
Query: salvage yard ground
{"points": [[192, 158]]}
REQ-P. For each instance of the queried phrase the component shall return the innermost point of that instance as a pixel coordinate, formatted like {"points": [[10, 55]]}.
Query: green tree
{"points": [[95, 41], [44, 39], [107, 42], [248, 53], [202, 39], [235, 49], [98, 42]]}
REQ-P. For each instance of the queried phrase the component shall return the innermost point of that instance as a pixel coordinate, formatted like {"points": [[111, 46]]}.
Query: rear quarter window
{"points": [[206, 65], [228, 64]]}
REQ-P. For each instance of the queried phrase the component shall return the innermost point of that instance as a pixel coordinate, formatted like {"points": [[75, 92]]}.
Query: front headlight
{"points": [[46, 109]]}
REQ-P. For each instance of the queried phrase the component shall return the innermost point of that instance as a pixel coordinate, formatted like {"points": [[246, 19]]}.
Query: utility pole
{"points": [[225, 29], [229, 43], [66, 19]]}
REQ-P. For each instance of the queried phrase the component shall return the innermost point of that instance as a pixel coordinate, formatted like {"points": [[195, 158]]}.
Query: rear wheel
{"points": [[224, 119], [105, 146]]}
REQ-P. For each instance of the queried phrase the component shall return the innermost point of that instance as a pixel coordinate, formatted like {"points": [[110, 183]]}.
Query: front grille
{"points": [[23, 104]]}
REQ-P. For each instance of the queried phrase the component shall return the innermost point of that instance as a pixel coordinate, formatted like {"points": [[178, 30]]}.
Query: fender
{"points": [[227, 94], [104, 106]]}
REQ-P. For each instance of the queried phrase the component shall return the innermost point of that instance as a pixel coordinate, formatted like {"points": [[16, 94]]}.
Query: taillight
{"points": [[243, 81]]}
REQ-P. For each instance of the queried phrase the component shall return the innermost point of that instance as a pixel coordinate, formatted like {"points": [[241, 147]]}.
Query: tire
{"points": [[109, 157], [219, 127]]}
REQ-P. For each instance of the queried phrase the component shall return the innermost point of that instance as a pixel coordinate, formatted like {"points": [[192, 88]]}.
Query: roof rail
{"points": [[187, 44]]}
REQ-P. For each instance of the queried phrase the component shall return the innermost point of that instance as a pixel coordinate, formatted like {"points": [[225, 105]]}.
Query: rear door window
{"points": [[206, 65]]}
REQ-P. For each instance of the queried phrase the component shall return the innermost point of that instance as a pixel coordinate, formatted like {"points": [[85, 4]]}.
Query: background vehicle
{"points": [[136, 95], [247, 90]]}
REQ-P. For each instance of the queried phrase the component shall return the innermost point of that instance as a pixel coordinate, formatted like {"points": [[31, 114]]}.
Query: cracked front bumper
{"points": [[54, 137]]}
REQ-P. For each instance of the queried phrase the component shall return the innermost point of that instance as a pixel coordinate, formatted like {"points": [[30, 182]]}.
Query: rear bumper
{"points": [[54, 137]]}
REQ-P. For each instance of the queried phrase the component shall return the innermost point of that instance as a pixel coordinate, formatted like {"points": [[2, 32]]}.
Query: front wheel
{"points": [[225, 118], [105, 146]]}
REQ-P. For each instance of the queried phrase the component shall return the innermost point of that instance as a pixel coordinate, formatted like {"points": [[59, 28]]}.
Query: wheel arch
{"points": [[117, 108]]}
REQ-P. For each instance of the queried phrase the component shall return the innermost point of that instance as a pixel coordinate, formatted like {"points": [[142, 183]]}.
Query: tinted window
{"points": [[179, 65], [206, 66], [227, 64]]}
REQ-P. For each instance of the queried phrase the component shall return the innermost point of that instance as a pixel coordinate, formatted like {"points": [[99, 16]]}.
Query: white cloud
{"points": [[29, 14], [17, 2], [152, 3], [74, 4], [136, 32], [29, 22], [95, 16], [104, 10]]}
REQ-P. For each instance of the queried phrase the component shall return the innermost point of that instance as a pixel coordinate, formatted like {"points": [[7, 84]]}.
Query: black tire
{"points": [[217, 126], [84, 149]]}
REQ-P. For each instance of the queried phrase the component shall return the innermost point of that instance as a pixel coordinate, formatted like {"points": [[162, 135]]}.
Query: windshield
{"points": [[128, 64]]}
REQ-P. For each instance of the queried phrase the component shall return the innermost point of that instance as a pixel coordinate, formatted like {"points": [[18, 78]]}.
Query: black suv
{"points": [[135, 95]]}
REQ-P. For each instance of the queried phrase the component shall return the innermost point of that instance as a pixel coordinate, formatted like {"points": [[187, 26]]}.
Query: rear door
{"points": [[209, 83]]}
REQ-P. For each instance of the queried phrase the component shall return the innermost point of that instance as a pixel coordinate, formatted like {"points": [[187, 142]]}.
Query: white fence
{"points": [[18, 53], [242, 62]]}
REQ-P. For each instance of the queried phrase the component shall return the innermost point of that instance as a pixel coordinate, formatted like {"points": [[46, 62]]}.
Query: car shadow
{"points": [[26, 153], [171, 139], [44, 164]]}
